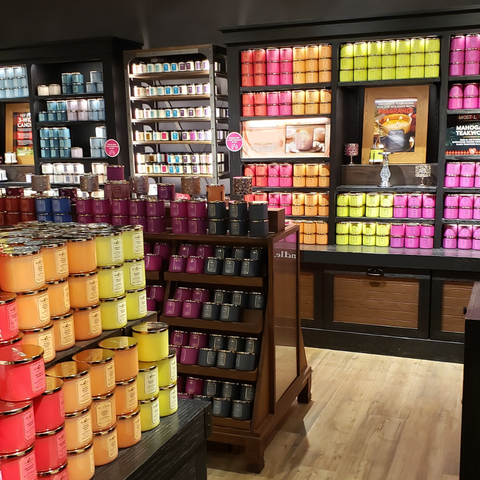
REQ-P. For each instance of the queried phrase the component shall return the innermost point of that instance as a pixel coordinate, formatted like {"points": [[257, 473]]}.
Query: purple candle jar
{"points": [[452, 181], [115, 172], [162, 249], [397, 230], [465, 213], [198, 339], [179, 338], [427, 230], [191, 309], [137, 207], [197, 209], [428, 213], [412, 230], [155, 207], [204, 251], [166, 191], [426, 242], [157, 292], [119, 190], [173, 308], [151, 304], [120, 220], [455, 103], [102, 219], [397, 242], [147, 248], [183, 293], [194, 386], [201, 295], [457, 57], [187, 250], [84, 206], [84, 219], [467, 182], [456, 69], [472, 68], [156, 224], [197, 226], [120, 207], [101, 206], [178, 208], [178, 350], [153, 262], [138, 221], [414, 212], [189, 355], [453, 168], [412, 242], [464, 244], [177, 264], [195, 265], [180, 226]]}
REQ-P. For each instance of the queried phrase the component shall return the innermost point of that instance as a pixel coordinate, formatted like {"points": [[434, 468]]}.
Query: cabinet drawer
{"points": [[455, 296]]}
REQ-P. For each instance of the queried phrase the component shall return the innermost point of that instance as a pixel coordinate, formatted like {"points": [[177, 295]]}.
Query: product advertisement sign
{"points": [[22, 136], [463, 135]]}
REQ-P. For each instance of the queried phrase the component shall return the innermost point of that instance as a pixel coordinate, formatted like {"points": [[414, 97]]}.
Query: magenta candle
{"points": [[166, 191], [464, 244], [273, 110], [465, 231], [457, 57], [472, 68], [476, 213], [427, 230], [456, 70], [177, 264], [426, 242], [156, 224], [189, 355], [162, 249], [412, 230], [414, 212], [153, 262], [17, 426], [187, 250], [465, 201], [180, 226], [178, 208], [273, 55], [155, 207], [179, 338], [173, 308], [467, 182], [467, 169], [195, 264], [456, 90], [476, 244], [452, 181], [288, 209], [286, 182], [412, 242], [455, 103], [273, 79], [472, 42], [101, 206], [273, 181], [400, 212], [134, 220], [450, 231], [397, 242], [477, 180], [8, 316], [471, 89], [115, 172], [286, 54], [286, 78], [156, 292], [400, 200], [201, 295], [450, 212], [204, 251], [120, 207], [428, 213], [50, 449], [470, 102], [197, 209], [415, 200], [198, 339], [197, 226], [49, 407], [451, 200], [84, 206], [191, 309], [453, 168], [428, 200], [194, 386], [285, 170], [465, 213], [183, 293]]}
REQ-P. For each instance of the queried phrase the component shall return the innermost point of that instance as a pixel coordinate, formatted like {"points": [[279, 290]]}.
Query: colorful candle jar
{"points": [[109, 248], [21, 269], [64, 331], [132, 238], [49, 407], [126, 356], [167, 369], [8, 316], [168, 400], [55, 474], [83, 289], [113, 312], [149, 413], [126, 396], [103, 412], [87, 322], [152, 340], [136, 303], [50, 449], [78, 429], [129, 429], [17, 426], [147, 381], [82, 256], [81, 463], [58, 297], [55, 260], [105, 446], [43, 337], [102, 369], [19, 465], [33, 309], [22, 373], [110, 281], [77, 391], [134, 274]]}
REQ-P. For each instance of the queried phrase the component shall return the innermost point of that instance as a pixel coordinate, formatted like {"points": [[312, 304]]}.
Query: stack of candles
{"points": [[52, 209], [463, 207], [463, 97], [463, 237], [189, 216], [464, 55], [15, 207], [462, 174], [312, 232]]}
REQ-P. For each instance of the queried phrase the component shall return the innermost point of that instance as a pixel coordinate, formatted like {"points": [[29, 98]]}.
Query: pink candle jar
{"points": [[274, 199], [162, 249], [471, 89], [286, 182], [464, 243], [412, 242], [177, 264], [286, 54], [156, 224], [273, 181], [457, 57], [412, 230], [397, 242], [452, 181], [17, 426], [288, 209], [467, 169], [197, 209], [273, 110], [155, 207], [194, 386], [120, 207], [195, 264], [449, 242], [400, 200], [191, 309], [153, 262], [470, 102], [173, 308], [180, 226], [427, 230], [466, 182], [476, 213], [179, 338], [197, 226], [456, 90], [20, 465], [450, 213], [400, 212], [453, 168], [8, 316], [456, 69], [198, 339], [414, 212], [84, 206], [156, 292], [428, 200], [476, 244], [465, 231], [178, 208], [201, 295], [187, 250], [285, 109], [451, 200], [455, 103], [49, 407], [472, 42], [450, 231], [273, 55], [397, 230], [426, 242], [472, 68], [273, 97], [189, 355], [286, 78], [101, 206], [465, 201], [465, 213], [415, 200], [183, 293], [477, 181], [428, 213], [51, 449], [204, 251], [273, 79], [285, 169]]}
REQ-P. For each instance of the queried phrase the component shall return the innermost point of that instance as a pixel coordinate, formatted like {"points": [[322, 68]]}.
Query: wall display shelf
{"points": [[386, 220], [386, 83], [275, 88], [212, 99]]}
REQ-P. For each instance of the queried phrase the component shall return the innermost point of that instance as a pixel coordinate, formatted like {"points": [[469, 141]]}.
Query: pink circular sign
{"points": [[234, 142], [112, 148]]}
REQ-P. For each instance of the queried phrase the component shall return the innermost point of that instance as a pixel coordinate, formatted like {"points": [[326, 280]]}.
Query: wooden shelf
{"points": [[385, 220], [395, 189], [215, 279], [379, 83], [285, 117], [458, 221], [231, 423], [215, 372], [175, 75], [274, 88], [179, 98], [68, 96]]}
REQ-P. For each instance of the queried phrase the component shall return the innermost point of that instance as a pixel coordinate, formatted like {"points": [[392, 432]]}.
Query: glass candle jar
{"points": [[132, 238], [113, 312], [55, 260], [19, 465], [33, 309], [147, 381], [8, 316], [129, 429], [17, 426], [149, 414], [64, 331], [58, 297], [109, 248], [50, 449], [134, 274], [136, 304], [105, 446], [126, 356], [49, 407], [110, 281], [83, 289], [126, 398], [43, 337], [168, 400], [22, 373], [81, 463], [152, 340], [21, 269], [77, 392], [55, 474], [103, 412], [78, 429], [82, 256], [167, 369], [87, 322], [102, 369]]}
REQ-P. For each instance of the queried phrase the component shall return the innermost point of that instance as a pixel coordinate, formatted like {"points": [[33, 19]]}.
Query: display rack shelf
{"points": [[458, 221], [73, 159], [384, 83], [463, 157], [287, 160], [215, 279], [305, 217], [464, 78], [179, 98], [15, 100], [385, 220], [215, 372], [175, 75], [373, 188], [179, 120], [68, 96], [275, 88], [175, 142], [291, 189], [467, 111], [243, 328], [68, 123], [473, 190], [285, 117], [231, 423]]}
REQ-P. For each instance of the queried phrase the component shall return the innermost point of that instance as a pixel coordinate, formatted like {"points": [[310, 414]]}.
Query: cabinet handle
{"points": [[375, 272]]}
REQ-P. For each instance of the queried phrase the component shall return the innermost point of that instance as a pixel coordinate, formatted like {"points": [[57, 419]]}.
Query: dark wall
{"points": [[159, 23]]}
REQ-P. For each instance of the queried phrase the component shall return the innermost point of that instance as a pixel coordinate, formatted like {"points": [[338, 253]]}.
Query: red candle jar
{"points": [[246, 56], [247, 68], [12, 203], [248, 99], [259, 68], [17, 426], [8, 316], [12, 218], [259, 55], [19, 466], [49, 407], [286, 78], [57, 474], [22, 373], [260, 111], [248, 111], [16, 341], [120, 207], [247, 80], [259, 80], [50, 449], [27, 204]]}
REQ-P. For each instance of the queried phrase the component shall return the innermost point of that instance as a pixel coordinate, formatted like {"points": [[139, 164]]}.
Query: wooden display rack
{"points": [[282, 374]]}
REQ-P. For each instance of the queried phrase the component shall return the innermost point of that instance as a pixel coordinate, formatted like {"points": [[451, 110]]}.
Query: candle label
{"points": [[136, 275], [117, 281], [142, 304], [116, 250], [29, 426], [12, 316], [173, 369], [110, 375], [38, 271], [103, 414], [95, 323], [28, 470], [84, 428], [173, 398], [137, 428], [61, 262], [92, 290], [122, 312], [84, 390], [155, 411], [112, 446], [137, 243], [61, 401], [61, 444], [66, 296], [46, 342], [37, 376], [67, 335], [91, 459], [43, 307], [131, 397], [151, 382]]}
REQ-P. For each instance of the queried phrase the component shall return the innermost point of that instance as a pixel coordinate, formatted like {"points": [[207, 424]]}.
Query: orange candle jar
{"points": [[109, 247], [58, 297], [21, 269], [126, 398], [126, 356], [78, 429], [43, 337], [64, 331], [102, 369], [105, 446], [103, 412], [33, 309], [87, 322], [77, 392], [55, 259], [129, 429], [83, 289], [82, 256], [81, 463], [299, 181]]}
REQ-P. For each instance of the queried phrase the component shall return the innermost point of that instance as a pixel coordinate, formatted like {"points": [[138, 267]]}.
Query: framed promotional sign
{"points": [[18, 132]]}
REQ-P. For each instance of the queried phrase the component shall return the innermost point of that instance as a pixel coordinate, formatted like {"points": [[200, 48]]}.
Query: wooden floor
{"points": [[372, 417]]}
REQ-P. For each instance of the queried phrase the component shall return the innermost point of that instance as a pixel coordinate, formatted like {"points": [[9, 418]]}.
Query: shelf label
{"points": [[112, 148], [234, 141]]}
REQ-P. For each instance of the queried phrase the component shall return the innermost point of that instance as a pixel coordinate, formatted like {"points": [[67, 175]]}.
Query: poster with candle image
{"points": [[395, 124], [463, 135]]}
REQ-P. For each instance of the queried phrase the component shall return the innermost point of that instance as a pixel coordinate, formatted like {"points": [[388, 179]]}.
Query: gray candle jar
{"points": [[217, 226], [256, 301], [226, 359], [231, 267], [222, 296], [247, 392], [229, 313], [210, 311], [213, 266], [252, 345], [221, 407], [250, 268], [235, 343], [217, 341], [230, 390], [242, 410], [207, 357], [238, 228], [212, 388], [245, 361], [240, 298], [222, 252]]}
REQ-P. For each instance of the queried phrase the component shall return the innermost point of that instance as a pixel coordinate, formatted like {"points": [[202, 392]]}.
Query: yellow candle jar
{"points": [[136, 304], [33, 309], [360, 62], [21, 269], [388, 61], [126, 356], [82, 256], [147, 381], [360, 75], [58, 297], [105, 446], [77, 391], [432, 44], [374, 74], [346, 76], [110, 281], [417, 72], [417, 59], [403, 46], [369, 240], [129, 429], [83, 289], [342, 228], [343, 211], [149, 414], [432, 71], [113, 312], [103, 412], [55, 260], [341, 239], [369, 228], [372, 199], [134, 274], [388, 73], [81, 463], [357, 211], [389, 47], [167, 369], [355, 239], [102, 369], [43, 337], [87, 322], [383, 229], [374, 62], [168, 400], [152, 340], [417, 45], [356, 228], [343, 199], [109, 248], [78, 429], [132, 238], [372, 212], [356, 199], [374, 48], [382, 241], [385, 212], [346, 50], [126, 396], [346, 63], [360, 49], [402, 72]]}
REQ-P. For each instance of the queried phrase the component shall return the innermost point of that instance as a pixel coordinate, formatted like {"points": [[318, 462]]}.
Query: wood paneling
{"points": [[455, 296], [391, 302], [307, 295]]}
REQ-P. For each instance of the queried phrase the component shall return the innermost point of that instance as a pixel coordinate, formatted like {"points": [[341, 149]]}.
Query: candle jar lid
{"points": [[118, 343], [86, 308], [113, 299], [48, 326], [46, 243], [54, 384], [19, 251], [20, 354], [50, 432], [12, 341], [133, 260], [129, 228], [126, 382], [86, 274], [52, 473], [17, 454], [6, 297], [77, 414], [11, 408], [110, 267], [148, 400], [136, 291], [146, 366], [94, 356], [82, 238], [69, 370], [62, 317], [169, 387], [98, 398], [150, 327], [104, 432], [107, 233], [129, 415]]}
